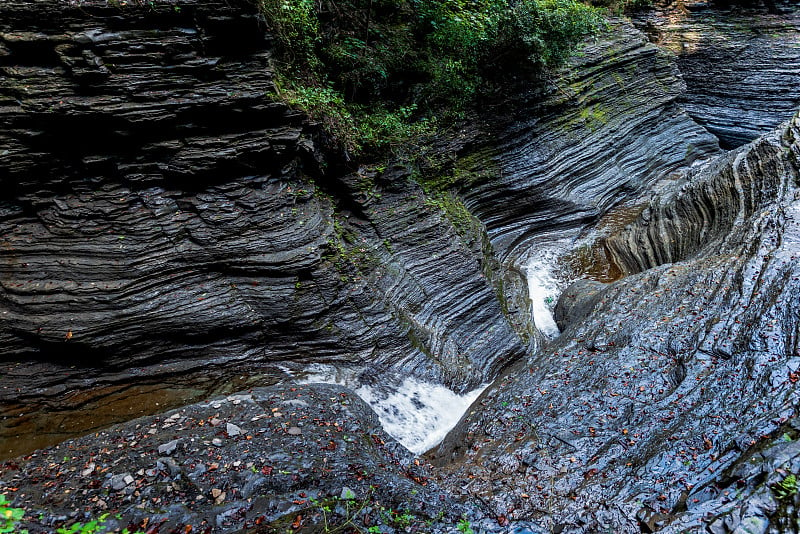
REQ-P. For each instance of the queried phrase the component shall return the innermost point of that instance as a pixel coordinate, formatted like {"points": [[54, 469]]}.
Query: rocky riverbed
{"points": [[196, 241]]}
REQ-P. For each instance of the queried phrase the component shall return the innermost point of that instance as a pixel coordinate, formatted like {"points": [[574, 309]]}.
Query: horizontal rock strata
{"points": [[167, 221], [741, 64]]}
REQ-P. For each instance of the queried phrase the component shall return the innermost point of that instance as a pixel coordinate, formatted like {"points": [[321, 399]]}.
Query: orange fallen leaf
{"points": [[297, 522]]}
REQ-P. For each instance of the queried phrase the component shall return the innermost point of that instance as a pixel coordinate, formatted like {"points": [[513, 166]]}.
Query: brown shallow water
{"points": [[594, 261], [25, 427]]}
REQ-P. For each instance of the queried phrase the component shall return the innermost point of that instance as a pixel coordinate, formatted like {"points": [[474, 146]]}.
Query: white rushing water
{"points": [[544, 286], [418, 414]]}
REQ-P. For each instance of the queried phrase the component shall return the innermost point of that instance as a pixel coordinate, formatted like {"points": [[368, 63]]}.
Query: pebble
{"points": [[89, 470], [216, 442], [119, 482], [295, 431], [218, 495], [168, 448], [232, 430]]}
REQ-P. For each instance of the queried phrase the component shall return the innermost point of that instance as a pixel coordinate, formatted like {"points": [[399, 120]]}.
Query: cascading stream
{"points": [[416, 413], [546, 282]]}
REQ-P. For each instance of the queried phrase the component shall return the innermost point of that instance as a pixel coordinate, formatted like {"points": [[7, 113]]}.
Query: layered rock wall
{"points": [[670, 401], [741, 63], [168, 221]]}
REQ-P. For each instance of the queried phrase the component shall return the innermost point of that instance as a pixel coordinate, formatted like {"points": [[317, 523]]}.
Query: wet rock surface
{"points": [[741, 62], [300, 453], [609, 130], [199, 241], [654, 411]]}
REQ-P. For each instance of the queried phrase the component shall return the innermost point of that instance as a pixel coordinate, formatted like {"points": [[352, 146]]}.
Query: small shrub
{"points": [[464, 526]]}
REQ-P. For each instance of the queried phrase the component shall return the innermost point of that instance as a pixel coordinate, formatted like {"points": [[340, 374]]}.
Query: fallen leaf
{"points": [[297, 522]]}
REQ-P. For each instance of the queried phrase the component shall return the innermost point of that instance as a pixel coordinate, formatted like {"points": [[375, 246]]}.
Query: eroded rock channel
{"points": [[171, 233]]}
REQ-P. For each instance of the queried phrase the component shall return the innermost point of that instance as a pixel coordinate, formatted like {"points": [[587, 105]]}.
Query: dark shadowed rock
{"points": [[741, 63], [168, 228]]}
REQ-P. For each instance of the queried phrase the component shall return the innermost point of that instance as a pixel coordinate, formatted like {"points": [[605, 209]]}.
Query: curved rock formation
{"points": [[670, 406], [741, 64], [610, 129], [195, 239], [191, 230], [168, 222]]}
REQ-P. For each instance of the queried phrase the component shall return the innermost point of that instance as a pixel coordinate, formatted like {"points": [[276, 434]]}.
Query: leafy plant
{"points": [[9, 517], [295, 24], [96, 525], [786, 489], [464, 526]]}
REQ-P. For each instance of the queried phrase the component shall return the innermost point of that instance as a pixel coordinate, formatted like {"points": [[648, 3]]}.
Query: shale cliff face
{"points": [[740, 62], [670, 402], [171, 230], [610, 130], [168, 230]]}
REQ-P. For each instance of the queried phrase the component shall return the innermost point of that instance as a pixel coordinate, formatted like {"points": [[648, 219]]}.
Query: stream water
{"points": [[545, 283], [416, 413]]}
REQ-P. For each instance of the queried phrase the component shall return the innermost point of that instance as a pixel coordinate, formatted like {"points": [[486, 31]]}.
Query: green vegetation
{"points": [[623, 6], [348, 255], [464, 526], [467, 226], [9, 517], [786, 489], [380, 75]]}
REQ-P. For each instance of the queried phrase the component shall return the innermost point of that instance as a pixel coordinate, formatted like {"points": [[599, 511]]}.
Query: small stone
{"points": [[295, 431], [232, 430], [168, 464], [118, 482], [216, 405], [88, 470], [101, 504], [168, 448], [128, 480], [218, 495], [214, 421], [216, 442]]}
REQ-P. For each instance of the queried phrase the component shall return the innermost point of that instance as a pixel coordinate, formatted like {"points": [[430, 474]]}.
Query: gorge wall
{"points": [[168, 227], [172, 231], [739, 61]]}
